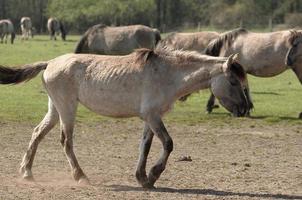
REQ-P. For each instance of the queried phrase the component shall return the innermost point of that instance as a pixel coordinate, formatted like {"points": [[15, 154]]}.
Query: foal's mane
{"points": [[294, 34], [213, 49], [143, 55]]}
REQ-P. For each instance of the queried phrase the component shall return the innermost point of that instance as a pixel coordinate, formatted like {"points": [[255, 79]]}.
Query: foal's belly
{"points": [[110, 101]]}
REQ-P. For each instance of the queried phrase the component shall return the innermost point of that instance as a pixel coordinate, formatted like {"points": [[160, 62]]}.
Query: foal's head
{"points": [[294, 54], [228, 89]]}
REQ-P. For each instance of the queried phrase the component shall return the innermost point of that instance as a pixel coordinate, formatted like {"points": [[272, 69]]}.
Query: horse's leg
{"points": [[145, 145], [49, 121], [5, 40], [158, 128], [67, 118], [210, 104], [298, 72]]}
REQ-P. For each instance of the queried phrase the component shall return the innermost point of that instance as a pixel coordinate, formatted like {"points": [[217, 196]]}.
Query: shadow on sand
{"points": [[219, 193]]}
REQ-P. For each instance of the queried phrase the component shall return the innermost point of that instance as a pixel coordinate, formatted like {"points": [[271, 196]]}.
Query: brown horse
{"points": [[144, 84], [121, 40], [197, 41], [261, 54]]}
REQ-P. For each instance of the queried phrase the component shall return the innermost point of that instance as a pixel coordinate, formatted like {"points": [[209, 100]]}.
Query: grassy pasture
{"points": [[276, 99]]}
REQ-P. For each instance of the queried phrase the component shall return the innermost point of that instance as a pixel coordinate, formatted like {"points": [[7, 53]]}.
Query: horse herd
{"points": [[7, 28], [144, 83]]}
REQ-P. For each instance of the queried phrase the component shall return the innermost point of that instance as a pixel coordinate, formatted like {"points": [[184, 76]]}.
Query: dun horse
{"points": [[54, 27], [122, 40], [143, 84], [7, 28], [261, 54], [26, 28], [189, 41]]}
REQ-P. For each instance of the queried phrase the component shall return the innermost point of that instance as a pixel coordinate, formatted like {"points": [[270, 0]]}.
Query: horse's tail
{"points": [[21, 74], [81, 44], [63, 30], [157, 37], [215, 46], [167, 40]]}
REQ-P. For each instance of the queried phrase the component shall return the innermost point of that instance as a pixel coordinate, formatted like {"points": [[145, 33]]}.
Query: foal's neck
{"points": [[196, 74]]}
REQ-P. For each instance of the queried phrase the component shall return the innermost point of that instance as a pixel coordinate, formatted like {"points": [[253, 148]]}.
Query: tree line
{"points": [[166, 15]]}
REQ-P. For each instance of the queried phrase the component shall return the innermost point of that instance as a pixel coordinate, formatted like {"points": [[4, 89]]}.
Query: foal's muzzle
{"points": [[243, 108]]}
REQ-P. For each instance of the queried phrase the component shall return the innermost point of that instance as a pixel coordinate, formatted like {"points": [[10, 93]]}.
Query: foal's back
{"points": [[108, 85]]}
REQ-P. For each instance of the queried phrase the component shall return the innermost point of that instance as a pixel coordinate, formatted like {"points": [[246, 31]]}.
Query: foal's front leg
{"points": [[158, 128], [145, 145]]}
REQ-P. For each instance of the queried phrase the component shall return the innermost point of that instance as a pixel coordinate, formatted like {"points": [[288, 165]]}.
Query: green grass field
{"points": [[276, 99]]}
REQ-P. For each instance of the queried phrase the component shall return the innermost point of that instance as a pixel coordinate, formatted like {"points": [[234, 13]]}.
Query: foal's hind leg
{"points": [[67, 112], [49, 121], [145, 145], [158, 128]]}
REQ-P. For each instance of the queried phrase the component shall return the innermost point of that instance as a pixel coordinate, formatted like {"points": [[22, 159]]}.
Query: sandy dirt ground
{"points": [[249, 161]]}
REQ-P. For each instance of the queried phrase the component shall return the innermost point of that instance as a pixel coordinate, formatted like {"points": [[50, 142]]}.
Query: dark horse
{"points": [[55, 26], [261, 54]]}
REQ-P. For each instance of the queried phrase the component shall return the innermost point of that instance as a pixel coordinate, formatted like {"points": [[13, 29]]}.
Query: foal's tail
{"points": [[21, 74]]}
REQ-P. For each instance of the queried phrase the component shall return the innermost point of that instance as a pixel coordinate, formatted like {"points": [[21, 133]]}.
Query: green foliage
{"points": [[163, 14]]}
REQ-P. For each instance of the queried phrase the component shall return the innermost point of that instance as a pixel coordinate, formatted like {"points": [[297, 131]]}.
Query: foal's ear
{"points": [[233, 67], [227, 65]]}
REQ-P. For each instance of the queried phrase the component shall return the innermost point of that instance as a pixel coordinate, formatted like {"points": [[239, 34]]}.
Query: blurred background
{"points": [[167, 15]]}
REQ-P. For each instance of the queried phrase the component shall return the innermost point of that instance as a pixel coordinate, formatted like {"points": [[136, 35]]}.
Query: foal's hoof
{"points": [[148, 185], [84, 181], [300, 115], [28, 178], [26, 175]]}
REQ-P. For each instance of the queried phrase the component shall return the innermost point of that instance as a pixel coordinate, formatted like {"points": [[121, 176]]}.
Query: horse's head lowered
{"points": [[294, 54], [228, 88]]}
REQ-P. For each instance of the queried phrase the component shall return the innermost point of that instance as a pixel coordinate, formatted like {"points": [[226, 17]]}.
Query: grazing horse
{"points": [[143, 84], [6, 28], [261, 54], [197, 41], [54, 27], [26, 28], [122, 40]]}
